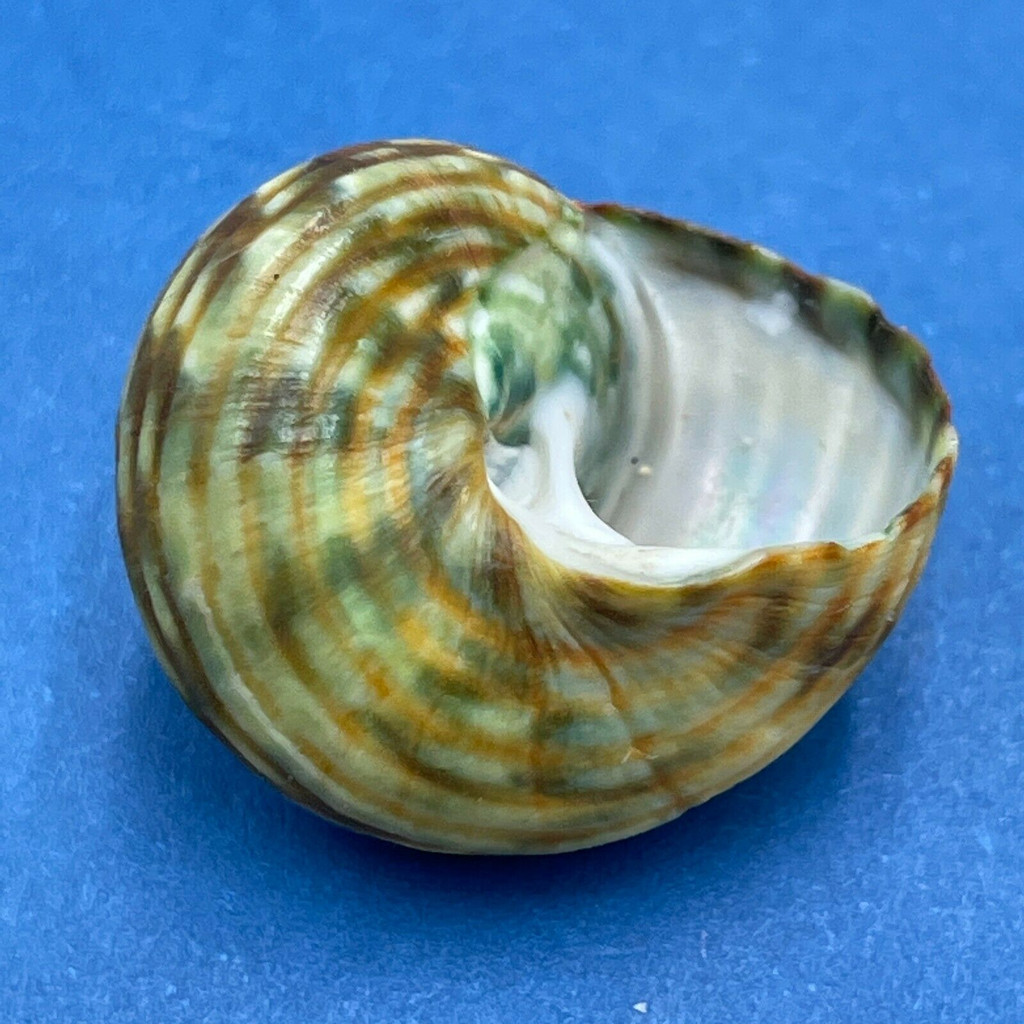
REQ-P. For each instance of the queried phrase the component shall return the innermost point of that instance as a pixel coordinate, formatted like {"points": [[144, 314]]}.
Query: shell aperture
{"points": [[486, 522]]}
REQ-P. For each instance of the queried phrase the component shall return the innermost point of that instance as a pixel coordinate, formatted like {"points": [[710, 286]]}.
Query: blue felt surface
{"points": [[872, 874]]}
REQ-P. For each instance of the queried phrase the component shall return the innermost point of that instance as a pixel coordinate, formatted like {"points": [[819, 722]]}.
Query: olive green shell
{"points": [[328, 579]]}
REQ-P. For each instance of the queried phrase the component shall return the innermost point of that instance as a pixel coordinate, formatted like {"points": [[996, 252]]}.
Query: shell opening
{"points": [[737, 425]]}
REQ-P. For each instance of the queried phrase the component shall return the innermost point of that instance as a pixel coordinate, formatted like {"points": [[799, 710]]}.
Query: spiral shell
{"points": [[486, 522]]}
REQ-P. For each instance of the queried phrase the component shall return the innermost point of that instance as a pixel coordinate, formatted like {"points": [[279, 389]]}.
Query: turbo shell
{"points": [[486, 521]]}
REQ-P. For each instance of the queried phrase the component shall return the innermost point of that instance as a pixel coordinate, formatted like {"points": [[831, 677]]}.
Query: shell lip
{"points": [[790, 271]]}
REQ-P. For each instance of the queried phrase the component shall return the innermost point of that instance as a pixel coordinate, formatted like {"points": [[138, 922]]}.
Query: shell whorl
{"points": [[329, 578]]}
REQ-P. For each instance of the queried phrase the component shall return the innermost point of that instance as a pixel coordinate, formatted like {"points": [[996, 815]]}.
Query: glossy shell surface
{"points": [[356, 577]]}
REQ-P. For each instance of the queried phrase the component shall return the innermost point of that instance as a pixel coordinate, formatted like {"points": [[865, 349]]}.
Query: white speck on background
{"points": [[640, 1007]]}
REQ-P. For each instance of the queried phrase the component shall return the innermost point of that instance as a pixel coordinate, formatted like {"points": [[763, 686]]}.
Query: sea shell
{"points": [[383, 441]]}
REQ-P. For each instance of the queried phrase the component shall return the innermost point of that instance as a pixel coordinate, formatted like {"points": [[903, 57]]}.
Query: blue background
{"points": [[874, 873]]}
